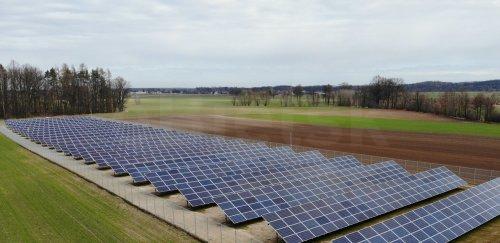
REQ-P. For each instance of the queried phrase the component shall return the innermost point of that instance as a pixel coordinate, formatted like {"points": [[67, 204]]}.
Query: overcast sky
{"points": [[252, 43]]}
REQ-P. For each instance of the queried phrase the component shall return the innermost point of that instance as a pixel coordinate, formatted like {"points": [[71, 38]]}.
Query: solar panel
{"points": [[183, 154], [247, 205], [124, 166], [160, 153], [314, 219], [166, 180], [441, 221], [202, 192], [71, 130], [139, 171], [103, 126], [148, 143]]}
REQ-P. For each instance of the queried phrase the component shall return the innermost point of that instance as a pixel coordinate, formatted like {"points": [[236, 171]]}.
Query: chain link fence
{"points": [[201, 226], [473, 176]]}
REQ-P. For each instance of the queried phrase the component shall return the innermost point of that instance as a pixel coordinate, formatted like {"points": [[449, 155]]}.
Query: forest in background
{"points": [[427, 86], [382, 93], [26, 91]]}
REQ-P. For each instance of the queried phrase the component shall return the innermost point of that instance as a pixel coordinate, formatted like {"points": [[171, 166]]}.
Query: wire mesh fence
{"points": [[199, 225], [473, 176]]}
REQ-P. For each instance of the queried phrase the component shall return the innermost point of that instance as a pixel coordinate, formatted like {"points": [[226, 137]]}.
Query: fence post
{"points": [[475, 172]]}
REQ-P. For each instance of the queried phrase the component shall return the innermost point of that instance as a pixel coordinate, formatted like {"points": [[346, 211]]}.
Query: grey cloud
{"points": [[224, 42]]}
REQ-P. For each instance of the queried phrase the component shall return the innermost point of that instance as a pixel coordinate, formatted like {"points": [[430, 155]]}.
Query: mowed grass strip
{"points": [[458, 128], [42, 202]]}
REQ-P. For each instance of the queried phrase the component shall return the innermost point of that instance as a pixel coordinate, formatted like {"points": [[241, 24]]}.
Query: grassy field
{"points": [[40, 201], [461, 128], [344, 117]]}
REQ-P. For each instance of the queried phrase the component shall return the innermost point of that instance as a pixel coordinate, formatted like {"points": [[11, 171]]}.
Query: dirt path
{"points": [[446, 149]]}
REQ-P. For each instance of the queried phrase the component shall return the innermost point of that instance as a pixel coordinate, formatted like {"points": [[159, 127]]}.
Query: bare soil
{"points": [[476, 152]]}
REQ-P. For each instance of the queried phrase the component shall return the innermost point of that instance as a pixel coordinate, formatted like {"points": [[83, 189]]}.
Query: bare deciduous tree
{"points": [[298, 91], [328, 93], [27, 91]]}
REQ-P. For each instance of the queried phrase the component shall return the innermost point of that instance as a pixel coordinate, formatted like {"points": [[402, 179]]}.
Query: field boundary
{"points": [[473, 176], [196, 224]]}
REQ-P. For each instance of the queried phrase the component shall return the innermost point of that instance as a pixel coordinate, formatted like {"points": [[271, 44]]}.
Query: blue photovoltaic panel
{"points": [[104, 147], [102, 129], [314, 219], [202, 192], [139, 171], [111, 142], [441, 221], [251, 204], [130, 168], [73, 139], [186, 151], [166, 180], [123, 159], [204, 150]]}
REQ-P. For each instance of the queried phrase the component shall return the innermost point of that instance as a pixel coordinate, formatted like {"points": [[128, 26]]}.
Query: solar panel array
{"points": [[138, 171], [251, 204], [314, 219], [165, 180], [202, 192], [301, 195], [105, 142], [441, 221]]}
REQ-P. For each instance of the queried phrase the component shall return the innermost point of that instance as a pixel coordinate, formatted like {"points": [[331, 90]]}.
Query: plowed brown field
{"points": [[466, 151]]}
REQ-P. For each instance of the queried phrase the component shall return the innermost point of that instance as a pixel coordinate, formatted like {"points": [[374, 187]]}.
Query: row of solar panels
{"points": [[129, 148], [441, 221], [302, 195]]}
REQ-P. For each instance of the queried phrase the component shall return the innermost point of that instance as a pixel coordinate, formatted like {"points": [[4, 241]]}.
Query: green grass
{"points": [[41, 202], [462, 128], [173, 105], [167, 105], [161, 105]]}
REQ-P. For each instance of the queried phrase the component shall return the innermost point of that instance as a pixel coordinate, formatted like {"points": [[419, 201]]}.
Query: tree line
{"points": [[381, 93], [26, 91]]}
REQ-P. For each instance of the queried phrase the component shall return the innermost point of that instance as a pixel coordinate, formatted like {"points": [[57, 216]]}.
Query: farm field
{"points": [[344, 117], [42, 202], [396, 134]]}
